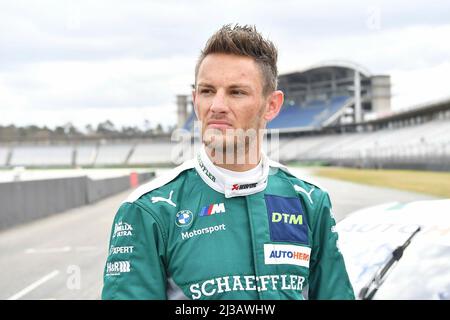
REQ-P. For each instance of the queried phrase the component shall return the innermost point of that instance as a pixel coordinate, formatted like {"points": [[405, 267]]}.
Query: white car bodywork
{"points": [[368, 237]]}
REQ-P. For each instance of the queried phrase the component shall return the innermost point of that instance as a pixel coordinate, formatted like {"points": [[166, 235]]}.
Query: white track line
{"points": [[85, 248], [48, 250], [34, 285]]}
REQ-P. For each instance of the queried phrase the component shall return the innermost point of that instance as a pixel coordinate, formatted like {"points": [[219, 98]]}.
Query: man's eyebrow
{"points": [[202, 84], [233, 86], [240, 85]]}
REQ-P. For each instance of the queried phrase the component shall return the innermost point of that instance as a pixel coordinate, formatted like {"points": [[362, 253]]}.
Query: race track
{"points": [[62, 257]]}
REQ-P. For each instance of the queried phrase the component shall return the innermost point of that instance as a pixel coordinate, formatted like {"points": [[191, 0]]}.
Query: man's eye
{"points": [[205, 91], [237, 92]]}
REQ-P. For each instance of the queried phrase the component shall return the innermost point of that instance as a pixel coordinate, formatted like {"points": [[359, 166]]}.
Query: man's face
{"points": [[229, 96]]}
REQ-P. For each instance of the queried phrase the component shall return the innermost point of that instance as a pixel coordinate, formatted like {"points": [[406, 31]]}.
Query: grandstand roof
{"points": [[333, 63]]}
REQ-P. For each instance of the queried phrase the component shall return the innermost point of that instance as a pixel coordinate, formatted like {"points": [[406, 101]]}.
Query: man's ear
{"points": [[275, 101]]}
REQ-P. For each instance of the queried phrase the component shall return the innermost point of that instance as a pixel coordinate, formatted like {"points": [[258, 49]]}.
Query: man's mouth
{"points": [[218, 124]]}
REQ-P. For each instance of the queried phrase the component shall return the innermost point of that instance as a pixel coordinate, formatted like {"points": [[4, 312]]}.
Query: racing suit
{"points": [[197, 233]]}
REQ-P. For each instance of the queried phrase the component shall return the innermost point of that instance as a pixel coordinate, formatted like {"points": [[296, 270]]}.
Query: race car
{"points": [[398, 251]]}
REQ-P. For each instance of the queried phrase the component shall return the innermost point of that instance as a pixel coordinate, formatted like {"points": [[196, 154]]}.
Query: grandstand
{"points": [[86, 155], [3, 156], [113, 154], [423, 146], [336, 113], [41, 155], [159, 152]]}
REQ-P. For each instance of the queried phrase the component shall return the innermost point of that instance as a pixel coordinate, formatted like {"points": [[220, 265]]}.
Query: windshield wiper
{"points": [[375, 283]]}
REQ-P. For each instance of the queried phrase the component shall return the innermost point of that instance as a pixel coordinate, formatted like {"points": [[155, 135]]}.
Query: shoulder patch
{"points": [[159, 181]]}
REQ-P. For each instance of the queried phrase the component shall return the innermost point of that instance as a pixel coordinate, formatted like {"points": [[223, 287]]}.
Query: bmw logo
{"points": [[184, 218]]}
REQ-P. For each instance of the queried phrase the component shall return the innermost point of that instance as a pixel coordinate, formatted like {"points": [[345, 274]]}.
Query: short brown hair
{"points": [[245, 41]]}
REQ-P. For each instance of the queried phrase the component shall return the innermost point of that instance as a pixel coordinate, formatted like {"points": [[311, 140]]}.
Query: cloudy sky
{"points": [[89, 61]]}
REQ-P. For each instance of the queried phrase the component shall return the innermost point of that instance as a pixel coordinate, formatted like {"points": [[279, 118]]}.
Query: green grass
{"points": [[433, 183]]}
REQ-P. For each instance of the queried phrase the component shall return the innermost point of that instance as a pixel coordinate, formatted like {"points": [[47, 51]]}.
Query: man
{"points": [[229, 224]]}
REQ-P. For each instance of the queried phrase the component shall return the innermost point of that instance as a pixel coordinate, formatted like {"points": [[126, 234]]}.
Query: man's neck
{"points": [[234, 163]]}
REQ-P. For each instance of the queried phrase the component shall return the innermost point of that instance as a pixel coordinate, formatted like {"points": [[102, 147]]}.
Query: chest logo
{"points": [[212, 209], [287, 219], [168, 200], [184, 218]]}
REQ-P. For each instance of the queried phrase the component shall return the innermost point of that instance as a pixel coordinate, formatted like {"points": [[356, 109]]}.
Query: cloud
{"points": [[417, 86], [63, 59]]}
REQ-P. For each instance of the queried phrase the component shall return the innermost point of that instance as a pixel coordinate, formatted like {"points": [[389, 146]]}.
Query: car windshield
{"points": [[422, 273]]}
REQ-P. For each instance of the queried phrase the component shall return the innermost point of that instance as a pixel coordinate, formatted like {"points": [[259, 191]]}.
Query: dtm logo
{"points": [[212, 209], [184, 218], [287, 220], [122, 229]]}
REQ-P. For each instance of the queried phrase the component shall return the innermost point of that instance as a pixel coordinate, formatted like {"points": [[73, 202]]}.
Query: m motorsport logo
{"points": [[212, 209]]}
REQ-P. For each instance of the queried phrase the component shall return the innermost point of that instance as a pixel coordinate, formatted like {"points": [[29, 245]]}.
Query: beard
{"points": [[234, 146]]}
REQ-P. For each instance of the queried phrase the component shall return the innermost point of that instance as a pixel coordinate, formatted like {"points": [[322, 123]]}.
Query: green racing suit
{"points": [[195, 233]]}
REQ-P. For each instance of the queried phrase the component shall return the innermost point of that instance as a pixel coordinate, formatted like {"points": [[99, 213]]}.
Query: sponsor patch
{"points": [[287, 254], [287, 219], [243, 186], [212, 209], [205, 170], [198, 232], [120, 250], [184, 218], [122, 229], [117, 268]]}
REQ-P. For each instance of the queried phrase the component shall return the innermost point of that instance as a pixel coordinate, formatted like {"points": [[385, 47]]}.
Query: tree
{"points": [[89, 129], [106, 127]]}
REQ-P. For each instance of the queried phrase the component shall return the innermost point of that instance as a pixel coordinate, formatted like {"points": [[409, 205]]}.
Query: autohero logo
{"points": [[184, 218], [212, 209], [287, 254], [243, 186], [122, 229], [217, 286], [287, 220], [205, 170], [198, 232], [120, 250], [117, 268]]}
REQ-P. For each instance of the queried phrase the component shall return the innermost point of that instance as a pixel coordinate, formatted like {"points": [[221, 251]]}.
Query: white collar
{"points": [[253, 181]]}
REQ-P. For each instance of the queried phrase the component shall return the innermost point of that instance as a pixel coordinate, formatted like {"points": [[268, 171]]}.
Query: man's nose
{"points": [[219, 103]]}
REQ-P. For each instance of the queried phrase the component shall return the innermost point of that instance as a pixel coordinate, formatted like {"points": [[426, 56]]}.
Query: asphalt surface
{"points": [[62, 256]]}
